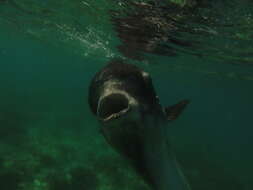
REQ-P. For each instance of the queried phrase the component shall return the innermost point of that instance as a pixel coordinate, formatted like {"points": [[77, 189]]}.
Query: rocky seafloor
{"points": [[59, 159], [49, 156]]}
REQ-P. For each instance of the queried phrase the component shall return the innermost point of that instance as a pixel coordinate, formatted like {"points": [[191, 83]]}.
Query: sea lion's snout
{"points": [[113, 106]]}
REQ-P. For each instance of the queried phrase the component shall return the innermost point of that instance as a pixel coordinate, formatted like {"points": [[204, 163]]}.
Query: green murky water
{"points": [[50, 50]]}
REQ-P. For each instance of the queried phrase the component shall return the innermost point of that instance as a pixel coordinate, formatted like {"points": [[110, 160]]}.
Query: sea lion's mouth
{"points": [[112, 106]]}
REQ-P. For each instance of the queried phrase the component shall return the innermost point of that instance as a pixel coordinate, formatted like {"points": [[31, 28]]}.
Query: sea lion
{"points": [[133, 122]]}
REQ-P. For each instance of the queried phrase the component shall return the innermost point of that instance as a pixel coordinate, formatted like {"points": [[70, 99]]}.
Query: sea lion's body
{"points": [[133, 122]]}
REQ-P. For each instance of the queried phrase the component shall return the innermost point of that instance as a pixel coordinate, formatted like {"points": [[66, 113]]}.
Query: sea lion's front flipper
{"points": [[172, 112]]}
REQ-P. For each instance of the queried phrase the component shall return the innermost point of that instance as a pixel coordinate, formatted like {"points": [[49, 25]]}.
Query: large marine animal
{"points": [[133, 122]]}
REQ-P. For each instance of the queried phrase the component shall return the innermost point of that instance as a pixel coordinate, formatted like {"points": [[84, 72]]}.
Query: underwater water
{"points": [[49, 52]]}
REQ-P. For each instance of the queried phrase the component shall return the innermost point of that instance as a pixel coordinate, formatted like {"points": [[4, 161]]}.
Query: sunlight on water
{"points": [[210, 31], [79, 26], [92, 43], [220, 31]]}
